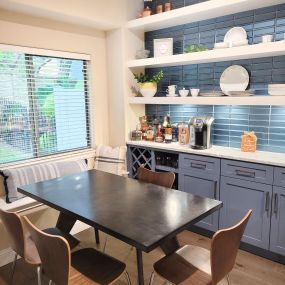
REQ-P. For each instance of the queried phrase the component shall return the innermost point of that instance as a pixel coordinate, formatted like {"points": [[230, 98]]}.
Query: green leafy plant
{"points": [[143, 78], [194, 48]]}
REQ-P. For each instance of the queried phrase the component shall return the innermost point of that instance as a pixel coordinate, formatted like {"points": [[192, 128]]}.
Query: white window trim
{"points": [[71, 155], [44, 52]]}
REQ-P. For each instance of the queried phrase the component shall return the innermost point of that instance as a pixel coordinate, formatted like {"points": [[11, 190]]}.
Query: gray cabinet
{"points": [[277, 234], [239, 185], [200, 176], [247, 171], [238, 197]]}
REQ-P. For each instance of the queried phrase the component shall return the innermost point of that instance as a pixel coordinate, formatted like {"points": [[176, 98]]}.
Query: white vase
{"points": [[148, 89]]}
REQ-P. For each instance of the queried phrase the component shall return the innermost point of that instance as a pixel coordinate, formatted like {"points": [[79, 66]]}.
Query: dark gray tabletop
{"points": [[141, 214]]}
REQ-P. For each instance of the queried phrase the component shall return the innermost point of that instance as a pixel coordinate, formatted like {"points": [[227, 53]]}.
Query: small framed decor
{"points": [[163, 47]]}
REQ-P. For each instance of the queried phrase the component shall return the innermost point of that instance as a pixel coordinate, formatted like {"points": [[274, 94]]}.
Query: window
{"points": [[43, 106]]}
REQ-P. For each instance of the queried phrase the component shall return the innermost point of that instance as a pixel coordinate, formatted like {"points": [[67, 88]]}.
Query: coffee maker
{"points": [[200, 129]]}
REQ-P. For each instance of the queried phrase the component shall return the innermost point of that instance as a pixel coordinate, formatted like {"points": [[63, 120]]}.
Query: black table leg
{"points": [[63, 227], [170, 246], [140, 267], [65, 222], [97, 237]]}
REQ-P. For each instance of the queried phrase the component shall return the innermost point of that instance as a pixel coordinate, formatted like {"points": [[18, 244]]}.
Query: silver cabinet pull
{"points": [[244, 173], [198, 165], [275, 203], [267, 201]]}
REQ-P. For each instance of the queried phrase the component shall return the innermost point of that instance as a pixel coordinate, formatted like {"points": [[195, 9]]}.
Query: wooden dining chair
{"points": [[20, 242], [193, 265], [86, 266], [165, 179]]}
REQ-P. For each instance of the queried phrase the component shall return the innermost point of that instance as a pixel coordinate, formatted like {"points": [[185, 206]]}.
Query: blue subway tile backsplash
{"points": [[268, 122], [230, 121]]}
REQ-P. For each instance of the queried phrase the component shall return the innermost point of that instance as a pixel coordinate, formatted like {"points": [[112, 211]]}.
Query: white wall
{"points": [[121, 46]]}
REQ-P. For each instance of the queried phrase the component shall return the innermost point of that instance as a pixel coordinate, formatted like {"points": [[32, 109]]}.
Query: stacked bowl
{"points": [[276, 89]]}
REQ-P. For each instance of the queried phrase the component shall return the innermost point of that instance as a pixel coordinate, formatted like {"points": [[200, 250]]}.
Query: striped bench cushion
{"points": [[13, 178], [112, 160]]}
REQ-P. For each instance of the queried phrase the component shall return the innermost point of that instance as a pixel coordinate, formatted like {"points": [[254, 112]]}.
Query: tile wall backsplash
{"points": [[268, 122], [230, 121]]}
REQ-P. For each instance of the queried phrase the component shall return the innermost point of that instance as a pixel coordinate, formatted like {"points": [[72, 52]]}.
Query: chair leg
{"points": [[151, 278], [228, 279], [39, 275], [105, 244], [50, 282], [128, 278], [13, 268]]}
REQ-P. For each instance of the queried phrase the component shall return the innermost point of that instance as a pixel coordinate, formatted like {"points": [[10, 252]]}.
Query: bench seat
{"points": [[20, 205]]}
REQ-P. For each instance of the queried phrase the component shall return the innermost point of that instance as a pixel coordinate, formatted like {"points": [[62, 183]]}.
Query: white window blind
{"points": [[44, 105]]}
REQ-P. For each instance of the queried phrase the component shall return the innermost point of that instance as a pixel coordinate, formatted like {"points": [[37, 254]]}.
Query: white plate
{"points": [[272, 86], [276, 93], [234, 78], [239, 44], [236, 34], [221, 45], [172, 95]]}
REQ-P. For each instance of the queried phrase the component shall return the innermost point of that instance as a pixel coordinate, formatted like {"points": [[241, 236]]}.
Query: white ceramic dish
{"points": [[240, 43], [195, 92], [234, 78], [221, 45], [236, 34], [183, 92], [272, 86], [276, 92], [171, 95]]}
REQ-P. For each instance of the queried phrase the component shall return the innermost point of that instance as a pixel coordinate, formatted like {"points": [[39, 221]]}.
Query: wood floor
{"points": [[249, 269]]}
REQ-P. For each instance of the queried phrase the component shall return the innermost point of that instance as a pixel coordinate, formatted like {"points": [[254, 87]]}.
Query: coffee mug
{"points": [[267, 38], [171, 89], [194, 92]]}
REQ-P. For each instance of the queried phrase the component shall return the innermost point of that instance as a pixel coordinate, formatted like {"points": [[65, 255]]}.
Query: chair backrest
{"points": [[224, 249], [54, 253], [14, 227], [165, 179]]}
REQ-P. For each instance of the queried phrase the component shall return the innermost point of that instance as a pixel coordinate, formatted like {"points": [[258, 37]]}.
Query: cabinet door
{"points": [[202, 186], [277, 238], [238, 196]]}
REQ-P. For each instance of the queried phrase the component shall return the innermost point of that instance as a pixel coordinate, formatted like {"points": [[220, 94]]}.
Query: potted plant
{"points": [[148, 86]]}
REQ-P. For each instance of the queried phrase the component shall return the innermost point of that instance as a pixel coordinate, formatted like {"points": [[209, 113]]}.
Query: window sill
{"points": [[80, 154]]}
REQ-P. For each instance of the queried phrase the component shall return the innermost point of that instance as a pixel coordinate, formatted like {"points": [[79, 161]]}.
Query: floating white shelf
{"points": [[217, 55], [251, 100], [198, 12]]}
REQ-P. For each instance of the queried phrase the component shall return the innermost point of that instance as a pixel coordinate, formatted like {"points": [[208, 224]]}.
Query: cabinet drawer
{"points": [[247, 171], [279, 176], [200, 164]]}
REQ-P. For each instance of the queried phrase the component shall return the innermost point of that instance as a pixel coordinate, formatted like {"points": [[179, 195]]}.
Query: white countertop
{"points": [[263, 157]]}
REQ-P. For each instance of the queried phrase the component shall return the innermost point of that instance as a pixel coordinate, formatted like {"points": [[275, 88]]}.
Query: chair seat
{"points": [[189, 265], [31, 252], [89, 266]]}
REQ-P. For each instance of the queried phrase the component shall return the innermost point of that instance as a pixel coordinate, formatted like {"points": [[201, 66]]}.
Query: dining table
{"points": [[143, 215]]}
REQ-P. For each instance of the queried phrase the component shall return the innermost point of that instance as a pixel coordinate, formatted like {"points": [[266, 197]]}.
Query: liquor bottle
{"points": [[167, 130], [159, 136], [149, 133], [144, 126], [174, 132]]}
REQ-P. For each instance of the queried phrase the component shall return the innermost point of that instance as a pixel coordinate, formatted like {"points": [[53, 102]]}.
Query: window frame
{"points": [[84, 152]]}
